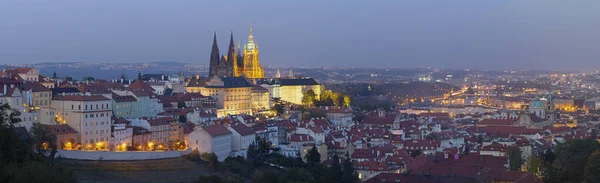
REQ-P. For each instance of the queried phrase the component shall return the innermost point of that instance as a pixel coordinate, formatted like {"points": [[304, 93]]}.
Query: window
{"points": [[72, 107]]}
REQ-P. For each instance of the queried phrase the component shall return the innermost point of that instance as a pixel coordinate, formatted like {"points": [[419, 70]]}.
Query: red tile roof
{"points": [[160, 121], [124, 98], [301, 138], [242, 129], [140, 85], [216, 130], [60, 129], [17, 70], [35, 87], [80, 98]]}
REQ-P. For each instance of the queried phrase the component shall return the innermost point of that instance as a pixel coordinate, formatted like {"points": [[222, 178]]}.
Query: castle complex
{"points": [[236, 63]]}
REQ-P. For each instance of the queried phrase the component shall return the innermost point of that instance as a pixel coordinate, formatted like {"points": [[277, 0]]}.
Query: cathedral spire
{"points": [[250, 37], [214, 56], [231, 52], [278, 74], [291, 75]]}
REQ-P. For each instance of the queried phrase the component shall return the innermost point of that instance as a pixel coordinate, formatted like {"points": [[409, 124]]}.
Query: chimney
{"points": [[5, 89], [197, 76]]}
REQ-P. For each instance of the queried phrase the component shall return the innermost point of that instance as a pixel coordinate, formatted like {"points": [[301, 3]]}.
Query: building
{"points": [[89, 115], [160, 129], [135, 102], [339, 116], [66, 137], [542, 107], [122, 135], [290, 89], [260, 98], [27, 74], [141, 138], [232, 94], [236, 64], [214, 138], [40, 95], [241, 138]]}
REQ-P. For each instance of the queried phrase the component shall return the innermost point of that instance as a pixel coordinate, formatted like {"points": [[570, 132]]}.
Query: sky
{"points": [[457, 34]]}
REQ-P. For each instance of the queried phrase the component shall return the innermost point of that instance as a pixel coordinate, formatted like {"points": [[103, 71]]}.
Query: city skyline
{"points": [[407, 34]]}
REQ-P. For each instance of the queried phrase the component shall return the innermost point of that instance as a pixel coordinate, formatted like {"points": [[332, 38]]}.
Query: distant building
{"points": [[233, 94], [236, 64], [290, 89], [260, 98], [26, 74]]}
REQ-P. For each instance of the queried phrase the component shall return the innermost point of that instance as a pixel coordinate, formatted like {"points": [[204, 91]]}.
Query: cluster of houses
{"points": [[151, 112]]}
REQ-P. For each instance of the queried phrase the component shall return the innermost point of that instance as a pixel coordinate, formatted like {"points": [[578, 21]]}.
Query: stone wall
{"points": [[112, 155]]}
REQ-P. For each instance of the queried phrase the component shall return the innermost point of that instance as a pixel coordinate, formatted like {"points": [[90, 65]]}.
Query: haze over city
{"points": [[553, 35]]}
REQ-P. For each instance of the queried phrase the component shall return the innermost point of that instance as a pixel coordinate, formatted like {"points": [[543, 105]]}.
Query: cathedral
{"points": [[236, 64]]}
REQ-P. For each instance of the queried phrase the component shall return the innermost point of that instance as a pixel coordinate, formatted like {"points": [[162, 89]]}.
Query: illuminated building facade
{"points": [[90, 116], [236, 63], [232, 94]]}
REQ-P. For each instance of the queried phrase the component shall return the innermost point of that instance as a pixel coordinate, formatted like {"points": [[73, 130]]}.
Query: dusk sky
{"points": [[475, 34]]}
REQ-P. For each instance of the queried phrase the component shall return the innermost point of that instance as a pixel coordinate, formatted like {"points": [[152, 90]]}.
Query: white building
{"points": [[122, 136], [12, 95], [214, 138], [339, 116], [90, 116], [27, 74], [241, 138]]}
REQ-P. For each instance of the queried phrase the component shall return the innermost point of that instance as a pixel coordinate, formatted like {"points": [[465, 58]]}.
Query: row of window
{"points": [[97, 115], [96, 123], [101, 132], [90, 107], [96, 140]]}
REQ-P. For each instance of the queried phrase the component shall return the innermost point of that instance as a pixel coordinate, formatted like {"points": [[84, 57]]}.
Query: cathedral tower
{"points": [[214, 57], [232, 66], [252, 67]]}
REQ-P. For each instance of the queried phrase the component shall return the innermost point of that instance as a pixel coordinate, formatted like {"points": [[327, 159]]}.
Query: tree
{"points": [[264, 177], [308, 97], [296, 175], [181, 104], [312, 157], [279, 109], [44, 141], [592, 168], [209, 179], [514, 158], [349, 175], [346, 101], [534, 164], [211, 159], [194, 155], [549, 156], [571, 158], [8, 116], [182, 119], [233, 178], [17, 160], [336, 170], [252, 151]]}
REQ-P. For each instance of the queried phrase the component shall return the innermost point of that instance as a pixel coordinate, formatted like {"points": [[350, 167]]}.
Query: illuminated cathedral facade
{"points": [[238, 62]]}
